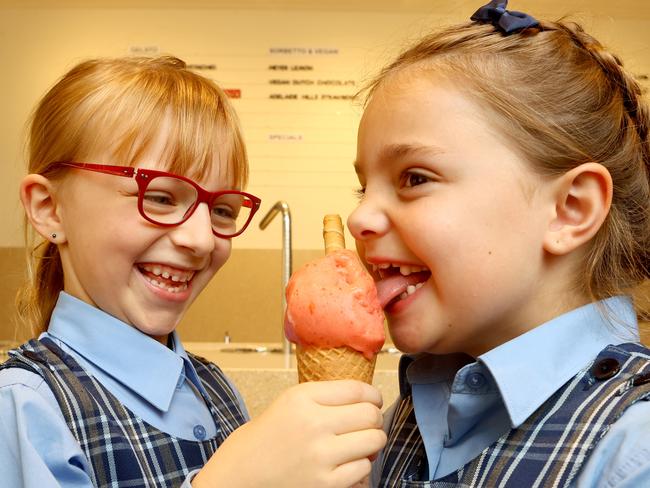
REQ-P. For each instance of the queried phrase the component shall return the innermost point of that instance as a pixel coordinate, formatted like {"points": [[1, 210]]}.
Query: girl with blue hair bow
{"points": [[504, 170]]}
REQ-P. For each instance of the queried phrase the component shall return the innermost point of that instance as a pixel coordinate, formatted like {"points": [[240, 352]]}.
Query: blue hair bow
{"points": [[508, 21]]}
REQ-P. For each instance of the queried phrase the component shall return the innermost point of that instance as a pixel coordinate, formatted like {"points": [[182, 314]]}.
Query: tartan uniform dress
{"points": [[546, 450], [123, 450]]}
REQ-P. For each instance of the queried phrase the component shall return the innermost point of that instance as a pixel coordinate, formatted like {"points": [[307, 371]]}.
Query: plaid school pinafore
{"points": [[123, 450], [546, 450]]}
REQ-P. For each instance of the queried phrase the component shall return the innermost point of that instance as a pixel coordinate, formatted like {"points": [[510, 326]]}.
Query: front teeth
{"points": [[182, 277], [170, 289], [410, 290], [403, 269], [407, 270]]}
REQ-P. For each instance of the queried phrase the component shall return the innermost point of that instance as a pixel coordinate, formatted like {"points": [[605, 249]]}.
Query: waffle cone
{"points": [[333, 235], [338, 363]]}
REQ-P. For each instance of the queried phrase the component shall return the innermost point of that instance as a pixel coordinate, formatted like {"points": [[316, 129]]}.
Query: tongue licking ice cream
{"points": [[333, 314]]}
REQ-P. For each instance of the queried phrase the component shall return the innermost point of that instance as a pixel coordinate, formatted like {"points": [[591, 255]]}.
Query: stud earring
{"points": [[53, 235]]}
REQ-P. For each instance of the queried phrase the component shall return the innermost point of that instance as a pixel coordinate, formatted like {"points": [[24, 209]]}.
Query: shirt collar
{"points": [[425, 368], [549, 355], [144, 365]]}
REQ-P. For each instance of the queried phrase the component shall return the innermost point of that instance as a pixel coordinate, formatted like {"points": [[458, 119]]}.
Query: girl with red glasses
{"points": [[136, 170]]}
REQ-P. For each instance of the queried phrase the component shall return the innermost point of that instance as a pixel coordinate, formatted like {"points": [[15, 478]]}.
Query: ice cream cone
{"points": [[338, 363], [322, 364], [333, 234]]}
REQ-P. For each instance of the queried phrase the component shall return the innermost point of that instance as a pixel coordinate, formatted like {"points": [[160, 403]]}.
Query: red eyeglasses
{"points": [[168, 200]]}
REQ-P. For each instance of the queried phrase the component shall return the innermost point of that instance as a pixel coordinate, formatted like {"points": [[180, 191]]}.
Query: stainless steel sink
{"points": [[255, 349]]}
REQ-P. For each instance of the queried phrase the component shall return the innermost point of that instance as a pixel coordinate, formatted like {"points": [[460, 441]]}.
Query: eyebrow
{"points": [[399, 151]]}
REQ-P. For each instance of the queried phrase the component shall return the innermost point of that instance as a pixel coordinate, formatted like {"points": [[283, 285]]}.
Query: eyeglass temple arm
{"points": [[101, 168]]}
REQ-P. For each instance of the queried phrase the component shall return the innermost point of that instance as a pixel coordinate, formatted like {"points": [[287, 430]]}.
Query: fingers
{"points": [[329, 430], [355, 417], [343, 392], [353, 474], [354, 446], [364, 483]]}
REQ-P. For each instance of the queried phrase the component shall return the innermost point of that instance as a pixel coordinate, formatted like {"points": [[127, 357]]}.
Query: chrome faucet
{"points": [[283, 207]]}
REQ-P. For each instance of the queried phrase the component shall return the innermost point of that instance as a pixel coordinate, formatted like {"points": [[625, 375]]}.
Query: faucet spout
{"points": [[282, 207]]}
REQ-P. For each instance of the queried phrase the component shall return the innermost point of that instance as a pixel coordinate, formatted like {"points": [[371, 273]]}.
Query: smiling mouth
{"points": [[396, 282], [166, 278]]}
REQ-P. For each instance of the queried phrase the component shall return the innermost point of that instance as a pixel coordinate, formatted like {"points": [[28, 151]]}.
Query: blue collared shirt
{"points": [[463, 405], [158, 384]]}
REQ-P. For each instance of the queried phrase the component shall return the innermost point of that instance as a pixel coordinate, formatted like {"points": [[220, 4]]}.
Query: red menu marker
{"points": [[232, 92]]}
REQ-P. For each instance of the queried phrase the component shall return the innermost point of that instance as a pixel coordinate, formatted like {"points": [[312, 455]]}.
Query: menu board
{"points": [[299, 116]]}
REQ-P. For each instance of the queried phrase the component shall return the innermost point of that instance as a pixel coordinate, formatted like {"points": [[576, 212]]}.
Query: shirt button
{"points": [[199, 432], [475, 380], [605, 368]]}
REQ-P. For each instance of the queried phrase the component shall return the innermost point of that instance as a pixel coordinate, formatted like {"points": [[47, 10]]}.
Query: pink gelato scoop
{"points": [[332, 302]]}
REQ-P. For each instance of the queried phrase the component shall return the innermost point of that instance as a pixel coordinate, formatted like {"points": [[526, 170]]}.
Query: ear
{"points": [[39, 200], [582, 197]]}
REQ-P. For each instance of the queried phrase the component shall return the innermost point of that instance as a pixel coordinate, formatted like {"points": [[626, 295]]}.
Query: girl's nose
{"points": [[368, 221], [196, 232]]}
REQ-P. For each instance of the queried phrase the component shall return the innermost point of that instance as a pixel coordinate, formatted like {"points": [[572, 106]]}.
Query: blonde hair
{"points": [[120, 105], [563, 100]]}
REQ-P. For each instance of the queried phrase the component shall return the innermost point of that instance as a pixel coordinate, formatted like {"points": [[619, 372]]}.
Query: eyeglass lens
{"points": [[167, 200]]}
